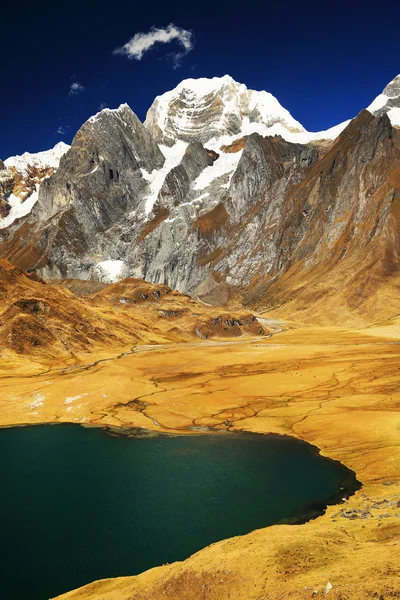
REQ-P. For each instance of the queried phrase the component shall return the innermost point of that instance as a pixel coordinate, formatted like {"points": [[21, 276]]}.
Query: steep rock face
{"points": [[263, 163], [6, 188], [208, 241], [99, 179], [339, 239], [6, 181], [100, 175], [177, 182], [94, 206], [250, 217]]}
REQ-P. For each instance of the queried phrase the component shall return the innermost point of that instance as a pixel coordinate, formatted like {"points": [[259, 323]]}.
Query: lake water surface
{"points": [[78, 505]]}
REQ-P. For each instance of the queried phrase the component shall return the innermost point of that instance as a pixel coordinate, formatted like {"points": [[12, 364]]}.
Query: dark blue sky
{"points": [[323, 63]]}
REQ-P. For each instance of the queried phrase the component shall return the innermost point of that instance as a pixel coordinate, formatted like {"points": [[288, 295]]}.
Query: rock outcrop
{"points": [[176, 186], [6, 185], [100, 175]]}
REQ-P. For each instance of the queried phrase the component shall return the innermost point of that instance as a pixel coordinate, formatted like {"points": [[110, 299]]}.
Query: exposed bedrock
{"points": [[261, 218]]}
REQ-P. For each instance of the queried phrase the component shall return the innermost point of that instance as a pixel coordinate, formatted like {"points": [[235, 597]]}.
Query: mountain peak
{"points": [[392, 90], [388, 102], [203, 85], [202, 109], [110, 111], [46, 158]]}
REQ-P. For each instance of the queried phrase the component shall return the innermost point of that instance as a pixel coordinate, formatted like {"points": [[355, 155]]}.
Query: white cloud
{"points": [[102, 105], [76, 88], [62, 130], [143, 42], [176, 58]]}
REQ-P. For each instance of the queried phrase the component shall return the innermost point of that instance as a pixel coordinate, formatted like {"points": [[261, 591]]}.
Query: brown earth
{"points": [[49, 322]]}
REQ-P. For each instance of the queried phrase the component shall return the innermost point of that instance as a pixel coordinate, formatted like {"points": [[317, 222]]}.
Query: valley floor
{"points": [[338, 389]]}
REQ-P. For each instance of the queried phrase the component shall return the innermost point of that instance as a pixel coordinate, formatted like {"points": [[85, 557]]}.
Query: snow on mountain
{"points": [[155, 179], [226, 164], [19, 209], [388, 102], [314, 136], [108, 111], [199, 197], [214, 111], [47, 158], [109, 271], [26, 173], [379, 102], [200, 109], [210, 109], [394, 116]]}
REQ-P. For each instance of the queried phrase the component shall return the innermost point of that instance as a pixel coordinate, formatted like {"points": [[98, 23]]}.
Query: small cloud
{"points": [[63, 129], [175, 58], [143, 42], [103, 105], [76, 88]]}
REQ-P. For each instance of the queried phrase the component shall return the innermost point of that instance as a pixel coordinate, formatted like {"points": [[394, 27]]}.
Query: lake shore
{"points": [[337, 389]]}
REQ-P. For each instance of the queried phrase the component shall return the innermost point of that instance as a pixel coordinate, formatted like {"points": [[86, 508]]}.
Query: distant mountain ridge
{"points": [[46, 158], [388, 102], [223, 195], [20, 178], [202, 109]]}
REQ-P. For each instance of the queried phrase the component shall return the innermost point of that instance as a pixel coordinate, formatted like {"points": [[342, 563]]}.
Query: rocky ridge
{"points": [[20, 178], [223, 195], [388, 102]]}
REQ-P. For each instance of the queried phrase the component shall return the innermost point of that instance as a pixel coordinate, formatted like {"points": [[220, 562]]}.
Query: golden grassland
{"points": [[336, 388]]}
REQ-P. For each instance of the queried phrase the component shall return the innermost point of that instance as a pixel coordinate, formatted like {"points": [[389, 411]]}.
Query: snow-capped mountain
{"points": [[200, 109], [20, 178], [203, 109], [216, 111], [219, 192], [388, 102], [46, 158]]}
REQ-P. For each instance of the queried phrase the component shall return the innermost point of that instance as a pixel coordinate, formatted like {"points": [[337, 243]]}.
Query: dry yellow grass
{"points": [[336, 388]]}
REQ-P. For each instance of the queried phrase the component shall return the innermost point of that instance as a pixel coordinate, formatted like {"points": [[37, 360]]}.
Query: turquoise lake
{"points": [[77, 504]]}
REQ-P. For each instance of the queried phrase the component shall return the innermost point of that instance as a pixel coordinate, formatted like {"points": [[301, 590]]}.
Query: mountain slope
{"points": [[205, 198], [20, 178], [58, 321], [342, 251], [388, 102]]}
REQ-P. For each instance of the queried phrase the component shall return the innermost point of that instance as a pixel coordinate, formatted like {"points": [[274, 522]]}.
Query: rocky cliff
{"points": [[223, 195]]}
